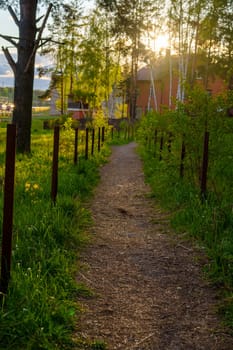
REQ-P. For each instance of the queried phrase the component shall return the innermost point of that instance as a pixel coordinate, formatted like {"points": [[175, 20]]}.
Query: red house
{"points": [[158, 86], [78, 110]]}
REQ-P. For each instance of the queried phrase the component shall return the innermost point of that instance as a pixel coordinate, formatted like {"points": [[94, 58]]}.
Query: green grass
{"points": [[40, 308], [122, 136], [208, 221]]}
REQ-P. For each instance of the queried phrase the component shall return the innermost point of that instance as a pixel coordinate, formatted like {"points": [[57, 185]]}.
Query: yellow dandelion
{"points": [[27, 186], [35, 186]]}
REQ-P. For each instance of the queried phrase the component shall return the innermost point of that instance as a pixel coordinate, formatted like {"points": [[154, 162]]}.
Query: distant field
{"points": [[39, 109], [6, 115], [37, 127]]}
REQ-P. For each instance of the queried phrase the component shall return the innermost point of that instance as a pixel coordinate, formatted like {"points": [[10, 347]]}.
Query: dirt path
{"points": [[149, 290]]}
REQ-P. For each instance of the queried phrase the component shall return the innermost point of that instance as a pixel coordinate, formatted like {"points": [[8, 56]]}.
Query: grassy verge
{"points": [[173, 153], [122, 136], [209, 222], [41, 307]]}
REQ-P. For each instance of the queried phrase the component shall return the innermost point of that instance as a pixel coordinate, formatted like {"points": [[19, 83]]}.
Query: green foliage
{"points": [[98, 345], [100, 119], [122, 133], [209, 219], [93, 345], [40, 309]]}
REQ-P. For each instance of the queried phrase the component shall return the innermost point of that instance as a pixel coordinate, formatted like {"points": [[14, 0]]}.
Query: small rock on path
{"points": [[149, 292]]}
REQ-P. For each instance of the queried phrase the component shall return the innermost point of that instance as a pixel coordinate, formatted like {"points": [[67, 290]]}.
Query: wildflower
{"points": [[35, 186], [27, 186]]}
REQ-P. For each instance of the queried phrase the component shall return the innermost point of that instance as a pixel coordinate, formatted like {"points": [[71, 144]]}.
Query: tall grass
{"points": [[123, 134], [40, 308], [208, 220]]}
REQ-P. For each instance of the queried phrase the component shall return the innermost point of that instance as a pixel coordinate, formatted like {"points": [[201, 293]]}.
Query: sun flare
{"points": [[161, 42], [157, 42]]}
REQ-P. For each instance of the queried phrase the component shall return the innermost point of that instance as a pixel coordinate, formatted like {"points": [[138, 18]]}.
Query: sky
{"points": [[8, 27]]}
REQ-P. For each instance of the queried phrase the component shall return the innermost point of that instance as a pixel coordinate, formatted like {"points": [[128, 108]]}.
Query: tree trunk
{"points": [[24, 74]]}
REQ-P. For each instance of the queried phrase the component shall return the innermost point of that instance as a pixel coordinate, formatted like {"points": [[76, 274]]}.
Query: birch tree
{"points": [[184, 22], [131, 20]]}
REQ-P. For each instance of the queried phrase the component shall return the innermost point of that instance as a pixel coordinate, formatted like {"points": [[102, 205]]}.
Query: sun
{"points": [[161, 42], [157, 42]]}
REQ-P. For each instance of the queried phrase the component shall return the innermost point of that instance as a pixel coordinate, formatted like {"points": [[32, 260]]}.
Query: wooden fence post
{"points": [[149, 143], [161, 148], [204, 165], [183, 152], [133, 132], [76, 147], [54, 184], [169, 142], [155, 140], [125, 131], [99, 138], [103, 135], [87, 140], [7, 226], [93, 142]]}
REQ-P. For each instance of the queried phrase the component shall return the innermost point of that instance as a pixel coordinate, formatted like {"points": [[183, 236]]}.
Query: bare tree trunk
{"points": [[24, 74], [170, 80], [23, 69], [133, 84]]}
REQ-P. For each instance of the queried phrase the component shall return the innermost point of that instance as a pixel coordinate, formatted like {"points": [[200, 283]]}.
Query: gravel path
{"points": [[149, 292]]}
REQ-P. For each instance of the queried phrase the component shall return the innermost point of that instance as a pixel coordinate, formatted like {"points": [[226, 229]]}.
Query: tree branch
{"points": [[9, 38], [13, 15], [38, 19], [38, 38], [44, 41], [9, 59]]}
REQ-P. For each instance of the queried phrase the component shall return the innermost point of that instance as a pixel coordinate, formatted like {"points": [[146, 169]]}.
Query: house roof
{"points": [[144, 73], [159, 69]]}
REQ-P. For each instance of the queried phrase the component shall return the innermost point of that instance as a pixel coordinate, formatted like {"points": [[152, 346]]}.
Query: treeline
{"points": [[118, 37], [7, 94]]}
